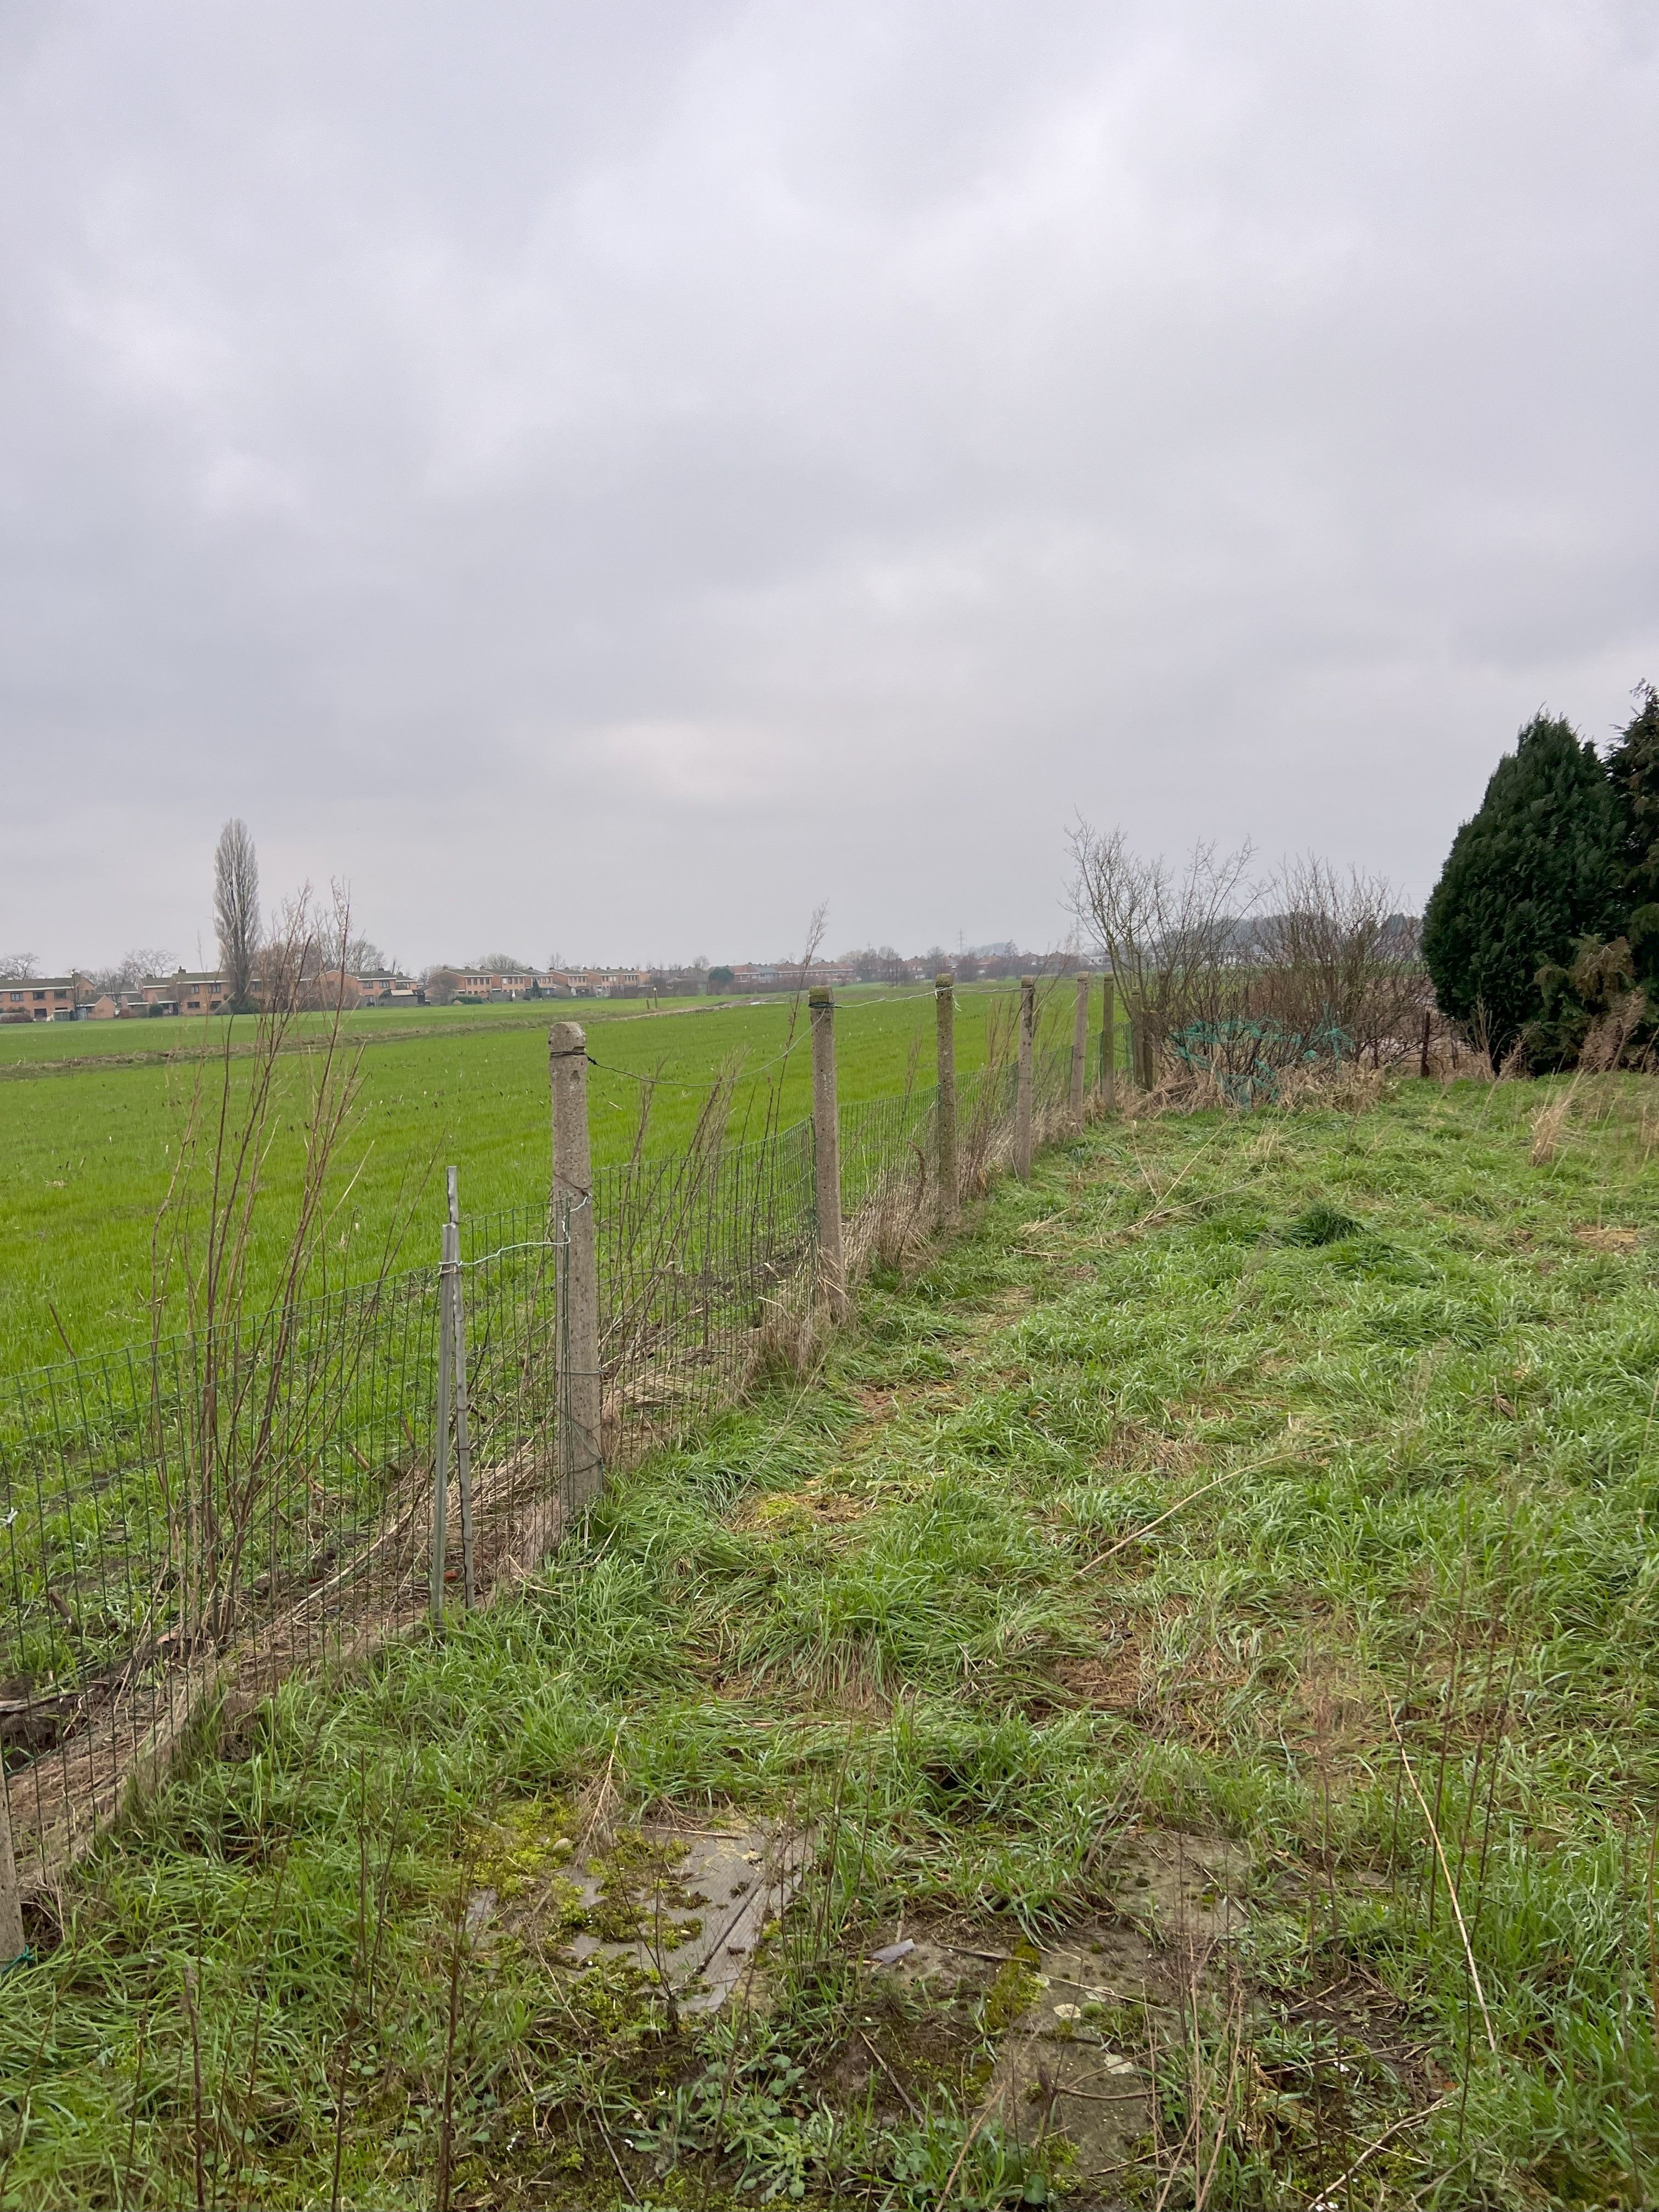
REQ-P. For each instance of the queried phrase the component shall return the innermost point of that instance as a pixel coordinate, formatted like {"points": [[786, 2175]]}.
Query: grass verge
{"points": [[1272, 1489]]}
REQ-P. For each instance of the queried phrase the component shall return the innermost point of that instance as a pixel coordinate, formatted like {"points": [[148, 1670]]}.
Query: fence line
{"points": [[193, 1520]]}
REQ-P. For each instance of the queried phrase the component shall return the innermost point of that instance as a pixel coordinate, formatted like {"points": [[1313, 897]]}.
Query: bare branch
{"points": [[1169, 937]]}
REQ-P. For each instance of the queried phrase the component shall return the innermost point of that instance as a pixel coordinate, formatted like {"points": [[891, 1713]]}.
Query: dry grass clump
{"points": [[1341, 1086], [1320, 1086], [1549, 1125], [1599, 1236], [1605, 1045]]}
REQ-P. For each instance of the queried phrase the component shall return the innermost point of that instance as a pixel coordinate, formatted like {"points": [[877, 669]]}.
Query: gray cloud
{"points": [[612, 477]]}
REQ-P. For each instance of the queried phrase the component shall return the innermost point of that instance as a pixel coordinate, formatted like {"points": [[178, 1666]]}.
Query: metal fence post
{"points": [[1108, 1046], [581, 1402], [826, 1148], [946, 1041], [458, 1338], [12, 1946], [1079, 1048], [1022, 1087]]}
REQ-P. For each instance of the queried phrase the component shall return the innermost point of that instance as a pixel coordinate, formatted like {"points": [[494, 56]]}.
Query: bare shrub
{"points": [[1231, 1000], [209, 1226], [1339, 958], [1171, 938]]}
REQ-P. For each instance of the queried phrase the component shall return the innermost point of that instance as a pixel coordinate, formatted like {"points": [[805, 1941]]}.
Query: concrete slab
{"points": [[687, 1904]]}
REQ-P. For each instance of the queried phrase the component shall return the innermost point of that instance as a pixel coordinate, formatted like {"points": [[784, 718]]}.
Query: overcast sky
{"points": [[605, 479]]}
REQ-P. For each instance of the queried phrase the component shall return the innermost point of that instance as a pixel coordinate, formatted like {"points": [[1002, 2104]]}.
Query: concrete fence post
{"points": [[945, 1040], [1108, 1046], [462, 1433], [580, 1394], [441, 1439], [826, 1148], [1023, 1085], [1081, 1048]]}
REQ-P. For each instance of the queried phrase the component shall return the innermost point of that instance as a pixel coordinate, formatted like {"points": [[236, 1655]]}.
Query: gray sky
{"points": [[604, 478]]}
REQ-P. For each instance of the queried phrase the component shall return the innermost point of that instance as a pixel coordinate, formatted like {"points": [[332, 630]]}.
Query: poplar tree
{"points": [[236, 910]]}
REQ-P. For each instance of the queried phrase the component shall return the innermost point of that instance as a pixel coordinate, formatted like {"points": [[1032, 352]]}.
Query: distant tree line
{"points": [[883, 964], [332, 950]]}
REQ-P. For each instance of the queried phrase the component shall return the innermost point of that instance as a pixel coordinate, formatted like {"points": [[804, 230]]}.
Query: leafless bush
{"points": [[1337, 955], [210, 1223], [1171, 938], [1231, 999]]}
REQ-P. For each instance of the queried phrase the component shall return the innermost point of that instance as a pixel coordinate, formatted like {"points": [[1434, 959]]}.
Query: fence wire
{"points": [[198, 1517], [189, 1521]]}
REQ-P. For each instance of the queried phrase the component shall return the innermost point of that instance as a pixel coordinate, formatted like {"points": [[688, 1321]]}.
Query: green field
{"points": [[87, 1153], [1224, 1575], [28, 1045]]}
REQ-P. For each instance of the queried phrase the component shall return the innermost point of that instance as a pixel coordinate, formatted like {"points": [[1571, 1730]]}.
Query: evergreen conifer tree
{"points": [[1633, 770], [1534, 871]]}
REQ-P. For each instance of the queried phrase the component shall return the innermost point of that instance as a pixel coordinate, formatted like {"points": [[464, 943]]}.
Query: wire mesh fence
{"points": [[207, 1513], [193, 1520], [697, 1257]]}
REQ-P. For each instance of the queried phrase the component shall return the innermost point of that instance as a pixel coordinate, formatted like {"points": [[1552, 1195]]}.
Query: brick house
{"points": [[41, 998], [384, 987], [187, 992], [482, 985]]}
